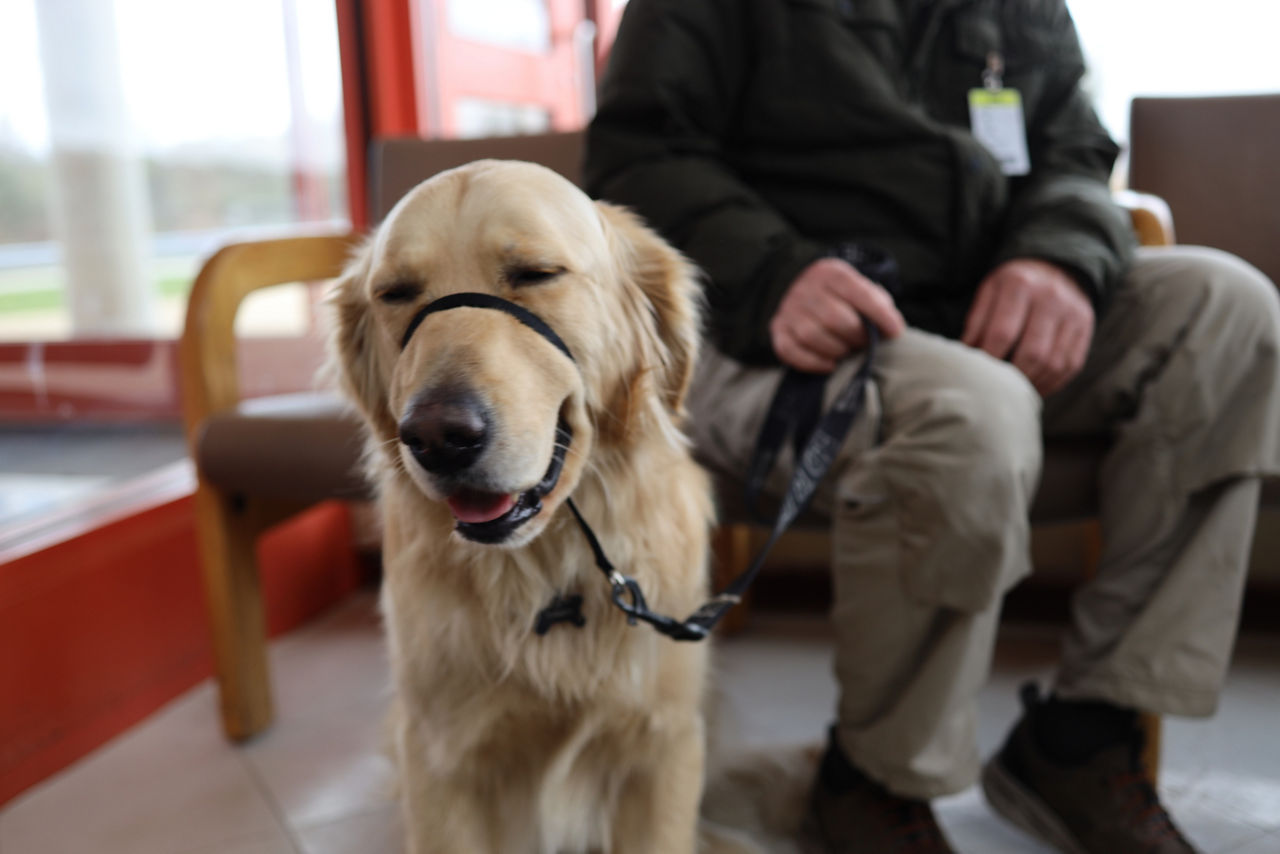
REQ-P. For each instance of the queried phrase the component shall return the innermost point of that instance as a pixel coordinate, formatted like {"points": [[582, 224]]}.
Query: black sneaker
{"points": [[849, 813], [1101, 803]]}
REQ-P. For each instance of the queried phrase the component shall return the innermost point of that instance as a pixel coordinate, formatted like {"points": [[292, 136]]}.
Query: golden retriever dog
{"points": [[583, 738]]}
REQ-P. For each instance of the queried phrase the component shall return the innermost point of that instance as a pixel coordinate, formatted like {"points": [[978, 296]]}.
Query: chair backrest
{"points": [[1214, 160], [398, 165]]}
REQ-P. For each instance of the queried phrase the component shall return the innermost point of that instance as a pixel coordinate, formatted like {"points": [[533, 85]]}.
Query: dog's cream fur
{"points": [[586, 739]]}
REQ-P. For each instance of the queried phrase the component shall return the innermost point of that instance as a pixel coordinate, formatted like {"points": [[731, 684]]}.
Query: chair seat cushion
{"points": [[297, 447]]}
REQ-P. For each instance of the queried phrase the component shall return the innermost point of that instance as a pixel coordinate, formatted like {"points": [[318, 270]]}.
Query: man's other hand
{"points": [[1033, 313], [817, 322]]}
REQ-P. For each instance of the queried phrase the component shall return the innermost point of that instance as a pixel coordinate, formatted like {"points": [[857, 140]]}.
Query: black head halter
{"points": [[477, 300]]}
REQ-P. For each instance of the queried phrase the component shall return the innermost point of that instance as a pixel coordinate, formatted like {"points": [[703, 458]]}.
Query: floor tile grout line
{"points": [[277, 809]]}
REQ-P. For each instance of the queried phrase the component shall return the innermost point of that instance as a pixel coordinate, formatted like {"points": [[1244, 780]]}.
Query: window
{"points": [[136, 136], [502, 67], [478, 117], [514, 24], [142, 134], [1175, 47]]}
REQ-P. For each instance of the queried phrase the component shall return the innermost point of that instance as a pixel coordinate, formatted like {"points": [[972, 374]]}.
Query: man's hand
{"points": [[817, 322], [1036, 312]]}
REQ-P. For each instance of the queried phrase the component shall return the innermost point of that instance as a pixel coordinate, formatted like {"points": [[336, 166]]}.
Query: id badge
{"points": [[995, 117]]}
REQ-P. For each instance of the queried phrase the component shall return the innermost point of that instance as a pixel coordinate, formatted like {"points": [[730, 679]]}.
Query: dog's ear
{"points": [[363, 367], [669, 284]]}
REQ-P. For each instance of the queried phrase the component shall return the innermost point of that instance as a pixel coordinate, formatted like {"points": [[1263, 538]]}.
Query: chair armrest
{"points": [[1152, 219], [207, 350]]}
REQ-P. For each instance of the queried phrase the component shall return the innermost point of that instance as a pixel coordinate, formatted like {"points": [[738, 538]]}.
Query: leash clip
{"points": [[624, 586]]}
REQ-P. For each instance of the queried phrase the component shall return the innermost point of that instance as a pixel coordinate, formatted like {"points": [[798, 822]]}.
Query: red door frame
{"points": [[379, 96], [403, 73]]}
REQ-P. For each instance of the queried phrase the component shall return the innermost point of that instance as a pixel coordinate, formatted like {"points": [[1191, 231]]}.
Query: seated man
{"points": [[759, 136]]}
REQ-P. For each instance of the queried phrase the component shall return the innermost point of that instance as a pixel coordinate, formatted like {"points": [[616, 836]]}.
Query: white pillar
{"points": [[100, 210]]}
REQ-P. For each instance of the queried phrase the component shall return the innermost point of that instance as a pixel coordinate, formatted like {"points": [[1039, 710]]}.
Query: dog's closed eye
{"points": [[520, 277], [399, 292]]}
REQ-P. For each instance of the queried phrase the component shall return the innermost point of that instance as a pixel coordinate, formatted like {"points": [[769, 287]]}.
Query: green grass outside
{"points": [[174, 286], [50, 299], [30, 301]]}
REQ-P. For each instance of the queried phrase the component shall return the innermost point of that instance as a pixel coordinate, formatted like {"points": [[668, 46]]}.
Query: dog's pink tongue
{"points": [[475, 507]]}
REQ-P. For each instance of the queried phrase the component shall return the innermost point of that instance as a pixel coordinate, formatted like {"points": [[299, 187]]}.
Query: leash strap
{"points": [[794, 412], [797, 404], [812, 465]]}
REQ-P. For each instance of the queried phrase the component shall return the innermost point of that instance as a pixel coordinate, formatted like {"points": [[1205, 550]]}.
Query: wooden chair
{"points": [[259, 461], [224, 434]]}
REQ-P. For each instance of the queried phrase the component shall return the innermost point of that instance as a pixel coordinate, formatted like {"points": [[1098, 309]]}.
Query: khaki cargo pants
{"points": [[929, 506]]}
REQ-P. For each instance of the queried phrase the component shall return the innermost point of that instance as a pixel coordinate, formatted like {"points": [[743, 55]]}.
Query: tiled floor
{"points": [[317, 783]]}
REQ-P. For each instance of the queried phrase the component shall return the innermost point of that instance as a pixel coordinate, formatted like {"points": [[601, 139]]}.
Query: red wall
{"points": [[100, 630]]}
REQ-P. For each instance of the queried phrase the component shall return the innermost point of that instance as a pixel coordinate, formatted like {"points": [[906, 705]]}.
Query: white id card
{"points": [[995, 118]]}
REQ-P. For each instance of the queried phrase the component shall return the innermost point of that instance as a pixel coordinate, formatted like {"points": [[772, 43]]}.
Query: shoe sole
{"points": [[1024, 809]]}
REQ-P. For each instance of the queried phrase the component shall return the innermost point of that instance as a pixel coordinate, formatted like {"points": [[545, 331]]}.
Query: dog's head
{"points": [[479, 409]]}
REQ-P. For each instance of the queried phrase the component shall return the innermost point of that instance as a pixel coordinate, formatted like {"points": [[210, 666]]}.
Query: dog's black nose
{"points": [[445, 430]]}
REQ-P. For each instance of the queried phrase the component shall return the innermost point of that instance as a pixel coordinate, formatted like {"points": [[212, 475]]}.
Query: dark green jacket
{"points": [[756, 134]]}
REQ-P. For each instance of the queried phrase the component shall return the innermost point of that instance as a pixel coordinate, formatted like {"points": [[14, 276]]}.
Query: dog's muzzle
{"points": [[448, 431], [524, 506]]}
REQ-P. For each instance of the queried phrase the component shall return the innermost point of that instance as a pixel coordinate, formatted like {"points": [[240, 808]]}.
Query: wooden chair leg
{"points": [[1151, 729], [228, 534], [731, 552], [1091, 534]]}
